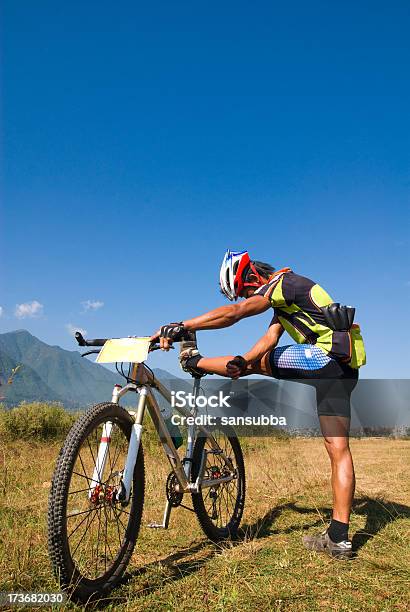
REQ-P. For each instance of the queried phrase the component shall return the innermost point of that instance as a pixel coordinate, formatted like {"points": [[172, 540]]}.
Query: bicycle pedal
{"points": [[156, 526]]}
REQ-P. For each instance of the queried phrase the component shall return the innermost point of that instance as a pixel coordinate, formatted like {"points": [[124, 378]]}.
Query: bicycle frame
{"points": [[145, 381]]}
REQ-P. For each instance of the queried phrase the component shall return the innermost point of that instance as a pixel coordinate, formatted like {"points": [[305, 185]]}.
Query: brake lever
{"points": [[90, 353]]}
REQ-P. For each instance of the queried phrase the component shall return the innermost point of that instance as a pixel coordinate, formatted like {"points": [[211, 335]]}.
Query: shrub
{"points": [[36, 420]]}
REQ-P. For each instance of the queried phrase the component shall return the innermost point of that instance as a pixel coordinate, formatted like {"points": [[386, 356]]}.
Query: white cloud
{"points": [[74, 328], [92, 305], [1, 311], [29, 310]]}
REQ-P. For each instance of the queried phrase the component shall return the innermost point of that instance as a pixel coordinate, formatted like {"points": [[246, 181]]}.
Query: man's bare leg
{"points": [[335, 540], [335, 432]]}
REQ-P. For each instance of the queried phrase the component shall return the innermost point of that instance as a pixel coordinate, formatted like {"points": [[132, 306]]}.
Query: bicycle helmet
{"points": [[234, 270]]}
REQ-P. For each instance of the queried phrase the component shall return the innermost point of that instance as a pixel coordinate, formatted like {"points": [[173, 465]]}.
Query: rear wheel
{"points": [[219, 508], [91, 534]]}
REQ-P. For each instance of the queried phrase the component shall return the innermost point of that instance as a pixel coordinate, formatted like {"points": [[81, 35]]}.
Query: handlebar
{"points": [[190, 337]]}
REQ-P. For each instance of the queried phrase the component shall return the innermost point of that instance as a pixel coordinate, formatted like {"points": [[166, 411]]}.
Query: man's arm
{"points": [[224, 316], [239, 365], [266, 343], [234, 367]]}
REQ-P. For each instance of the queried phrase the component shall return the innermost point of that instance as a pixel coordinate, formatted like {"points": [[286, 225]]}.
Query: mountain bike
{"points": [[97, 491]]}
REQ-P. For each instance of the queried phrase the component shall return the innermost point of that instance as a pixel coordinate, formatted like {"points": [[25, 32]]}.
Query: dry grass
{"points": [[288, 493]]}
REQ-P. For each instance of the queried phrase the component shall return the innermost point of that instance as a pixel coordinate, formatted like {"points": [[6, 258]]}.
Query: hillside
{"points": [[51, 373]]}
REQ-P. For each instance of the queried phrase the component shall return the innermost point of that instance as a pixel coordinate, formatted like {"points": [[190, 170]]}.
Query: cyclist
{"points": [[327, 355]]}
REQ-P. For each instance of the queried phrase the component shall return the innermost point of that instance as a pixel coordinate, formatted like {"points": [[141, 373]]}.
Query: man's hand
{"points": [[167, 334], [236, 367]]}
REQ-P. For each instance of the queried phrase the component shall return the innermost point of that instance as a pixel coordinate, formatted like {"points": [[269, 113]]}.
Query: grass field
{"points": [[287, 495]]}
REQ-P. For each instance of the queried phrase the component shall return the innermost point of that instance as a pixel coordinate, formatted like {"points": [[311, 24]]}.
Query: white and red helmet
{"points": [[232, 274]]}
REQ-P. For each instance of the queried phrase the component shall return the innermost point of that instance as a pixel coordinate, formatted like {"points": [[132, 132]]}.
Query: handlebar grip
{"points": [[80, 339], [96, 342]]}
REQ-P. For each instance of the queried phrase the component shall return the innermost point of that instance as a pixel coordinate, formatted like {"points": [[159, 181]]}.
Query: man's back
{"points": [[297, 302]]}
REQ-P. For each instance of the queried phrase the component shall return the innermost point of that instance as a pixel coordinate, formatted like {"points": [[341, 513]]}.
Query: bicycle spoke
{"points": [[229, 492], [87, 478], [92, 456], [82, 465], [83, 512], [88, 542], [115, 453], [118, 515], [79, 491], [118, 529], [220, 502], [107, 540], [125, 511], [105, 544], [85, 533], [97, 441], [226, 501], [82, 521], [98, 539]]}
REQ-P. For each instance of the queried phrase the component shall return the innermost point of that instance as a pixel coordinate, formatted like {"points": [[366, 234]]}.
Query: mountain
{"points": [[50, 373]]}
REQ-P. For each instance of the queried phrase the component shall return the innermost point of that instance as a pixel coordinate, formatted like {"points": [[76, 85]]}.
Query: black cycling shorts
{"points": [[307, 363]]}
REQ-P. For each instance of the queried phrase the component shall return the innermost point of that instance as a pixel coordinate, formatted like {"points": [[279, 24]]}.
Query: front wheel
{"points": [[219, 508], [91, 534]]}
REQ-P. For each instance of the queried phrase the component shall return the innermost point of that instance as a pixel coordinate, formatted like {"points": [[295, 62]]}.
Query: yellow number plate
{"points": [[134, 350]]}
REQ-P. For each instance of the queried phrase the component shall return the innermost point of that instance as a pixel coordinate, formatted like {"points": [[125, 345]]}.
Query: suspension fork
{"points": [[133, 447], [104, 445], [101, 457]]}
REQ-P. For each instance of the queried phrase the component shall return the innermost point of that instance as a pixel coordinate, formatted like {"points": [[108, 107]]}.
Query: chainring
{"points": [[174, 496]]}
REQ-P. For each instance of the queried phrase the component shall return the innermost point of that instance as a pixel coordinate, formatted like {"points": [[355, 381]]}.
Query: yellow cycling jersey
{"points": [[297, 303]]}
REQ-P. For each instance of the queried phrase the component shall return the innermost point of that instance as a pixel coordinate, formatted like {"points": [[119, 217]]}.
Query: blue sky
{"points": [[140, 141]]}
